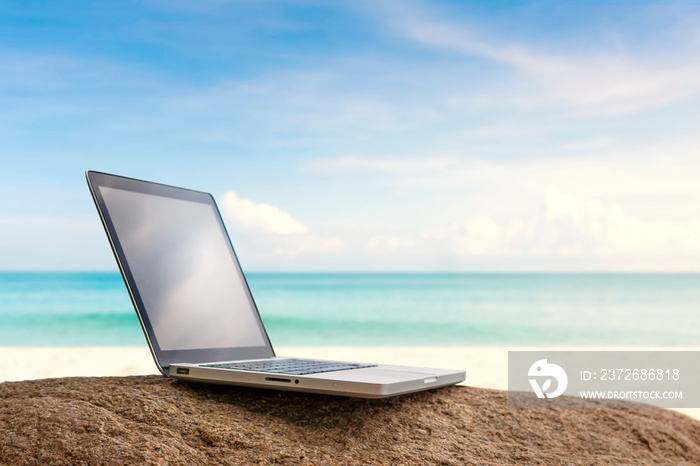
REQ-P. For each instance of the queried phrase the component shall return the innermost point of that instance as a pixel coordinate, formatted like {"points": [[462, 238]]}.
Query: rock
{"points": [[156, 420]]}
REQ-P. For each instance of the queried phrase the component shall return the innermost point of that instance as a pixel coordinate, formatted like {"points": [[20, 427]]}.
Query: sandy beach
{"points": [[486, 366]]}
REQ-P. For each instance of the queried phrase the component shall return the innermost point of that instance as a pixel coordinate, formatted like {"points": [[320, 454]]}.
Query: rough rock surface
{"points": [[155, 420]]}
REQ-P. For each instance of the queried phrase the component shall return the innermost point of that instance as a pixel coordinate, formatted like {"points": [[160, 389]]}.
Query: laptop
{"points": [[195, 306]]}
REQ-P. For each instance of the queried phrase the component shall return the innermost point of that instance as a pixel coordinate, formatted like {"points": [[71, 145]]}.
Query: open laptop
{"points": [[196, 308]]}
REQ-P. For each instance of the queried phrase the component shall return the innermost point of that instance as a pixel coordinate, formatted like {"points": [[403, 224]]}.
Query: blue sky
{"points": [[378, 135]]}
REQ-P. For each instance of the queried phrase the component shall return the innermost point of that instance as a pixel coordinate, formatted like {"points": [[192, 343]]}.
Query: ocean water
{"points": [[366, 309]]}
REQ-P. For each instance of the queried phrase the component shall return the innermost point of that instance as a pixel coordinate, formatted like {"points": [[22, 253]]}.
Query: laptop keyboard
{"points": [[289, 366]]}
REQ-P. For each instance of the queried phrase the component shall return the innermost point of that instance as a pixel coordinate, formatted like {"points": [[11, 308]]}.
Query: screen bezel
{"points": [[163, 358]]}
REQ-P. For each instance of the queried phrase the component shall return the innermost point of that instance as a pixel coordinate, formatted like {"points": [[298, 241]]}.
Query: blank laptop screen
{"points": [[186, 273]]}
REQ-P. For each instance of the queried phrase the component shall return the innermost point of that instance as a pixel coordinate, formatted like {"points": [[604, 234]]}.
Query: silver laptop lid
{"points": [[181, 271]]}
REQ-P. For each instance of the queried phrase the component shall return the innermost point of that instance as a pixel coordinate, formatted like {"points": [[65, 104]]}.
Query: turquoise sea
{"points": [[365, 309]]}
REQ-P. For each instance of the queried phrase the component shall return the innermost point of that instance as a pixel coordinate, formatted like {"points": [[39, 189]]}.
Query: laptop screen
{"points": [[177, 254], [187, 278]]}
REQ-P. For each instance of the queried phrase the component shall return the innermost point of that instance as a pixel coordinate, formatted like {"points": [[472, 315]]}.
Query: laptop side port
{"points": [[277, 379]]}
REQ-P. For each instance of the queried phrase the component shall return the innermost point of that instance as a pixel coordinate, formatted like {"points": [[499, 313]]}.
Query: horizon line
{"points": [[406, 272]]}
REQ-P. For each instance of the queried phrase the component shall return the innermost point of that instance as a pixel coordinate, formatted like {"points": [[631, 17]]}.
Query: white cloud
{"points": [[578, 229], [598, 211], [594, 83], [383, 244], [477, 236], [270, 232], [261, 217], [667, 168]]}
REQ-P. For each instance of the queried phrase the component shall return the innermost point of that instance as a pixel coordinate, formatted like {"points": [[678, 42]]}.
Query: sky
{"points": [[360, 135]]}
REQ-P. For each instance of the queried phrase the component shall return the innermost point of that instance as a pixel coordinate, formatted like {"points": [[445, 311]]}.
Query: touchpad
{"points": [[403, 375]]}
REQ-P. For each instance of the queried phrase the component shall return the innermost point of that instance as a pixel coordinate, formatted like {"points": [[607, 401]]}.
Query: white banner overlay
{"points": [[603, 379]]}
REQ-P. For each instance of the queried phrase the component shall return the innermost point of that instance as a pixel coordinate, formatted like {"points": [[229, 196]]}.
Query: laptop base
{"points": [[380, 381]]}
